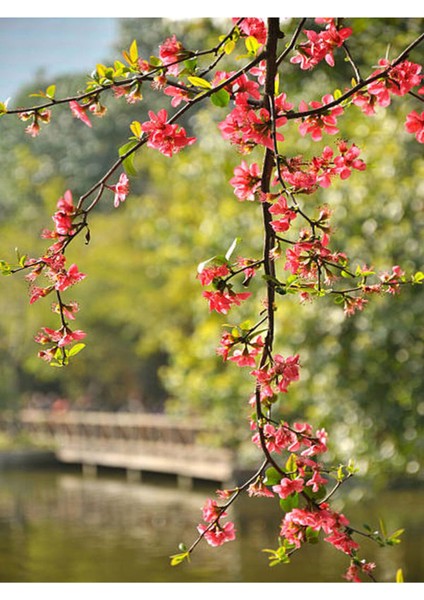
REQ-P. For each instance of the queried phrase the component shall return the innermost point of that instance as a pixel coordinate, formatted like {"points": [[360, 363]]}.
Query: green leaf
{"points": [[5, 268], [155, 61], [76, 349], [50, 92], [252, 45], [278, 556], [399, 576], [133, 51], [289, 503], [3, 108], [221, 98], [136, 129], [128, 162], [418, 277], [200, 82], [272, 476], [176, 559], [229, 46], [291, 465]]}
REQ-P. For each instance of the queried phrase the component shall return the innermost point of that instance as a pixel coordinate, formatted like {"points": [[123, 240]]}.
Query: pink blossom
{"points": [[321, 45], [121, 189], [415, 124], [259, 489], [171, 51], [209, 274], [342, 541], [211, 511], [352, 305], [218, 534], [246, 181], [348, 160], [315, 125], [79, 112], [253, 27], [61, 337], [246, 357], [222, 302], [168, 139], [177, 94], [245, 128], [281, 208], [65, 279], [288, 486], [38, 292], [315, 481], [33, 130]]}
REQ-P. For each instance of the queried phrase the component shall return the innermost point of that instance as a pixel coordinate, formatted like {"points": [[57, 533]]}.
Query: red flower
{"points": [[223, 301], [121, 189], [415, 124], [171, 51], [79, 112], [246, 181], [218, 535], [288, 486], [168, 139]]}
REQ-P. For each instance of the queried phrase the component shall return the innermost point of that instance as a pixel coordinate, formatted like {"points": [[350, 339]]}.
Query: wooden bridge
{"points": [[136, 442]]}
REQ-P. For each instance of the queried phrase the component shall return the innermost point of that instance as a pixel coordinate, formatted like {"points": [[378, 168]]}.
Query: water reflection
{"points": [[62, 527]]}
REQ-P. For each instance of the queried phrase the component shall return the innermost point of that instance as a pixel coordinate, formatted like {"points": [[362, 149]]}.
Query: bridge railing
{"points": [[136, 441]]}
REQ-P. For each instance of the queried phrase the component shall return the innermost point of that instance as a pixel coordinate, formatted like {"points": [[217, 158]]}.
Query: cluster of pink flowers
{"points": [[40, 115], [215, 533], [222, 298], [321, 45], [168, 139], [60, 277], [276, 378], [286, 215], [245, 127], [306, 176], [400, 80], [59, 338], [298, 438], [223, 301], [326, 122], [171, 52], [310, 256], [243, 357], [253, 27]]}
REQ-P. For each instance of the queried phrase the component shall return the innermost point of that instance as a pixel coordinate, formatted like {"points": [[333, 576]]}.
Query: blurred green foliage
{"points": [[151, 342]]}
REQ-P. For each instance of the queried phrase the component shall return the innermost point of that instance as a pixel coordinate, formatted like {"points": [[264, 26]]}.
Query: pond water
{"points": [[61, 526]]}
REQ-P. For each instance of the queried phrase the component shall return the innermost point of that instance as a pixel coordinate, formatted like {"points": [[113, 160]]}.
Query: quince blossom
{"points": [[120, 189], [170, 52], [287, 486], [168, 139], [415, 124], [320, 45], [218, 534], [80, 112], [246, 181], [222, 302]]}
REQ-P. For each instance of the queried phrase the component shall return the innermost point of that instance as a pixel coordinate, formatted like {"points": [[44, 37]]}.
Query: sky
{"points": [[55, 45]]}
